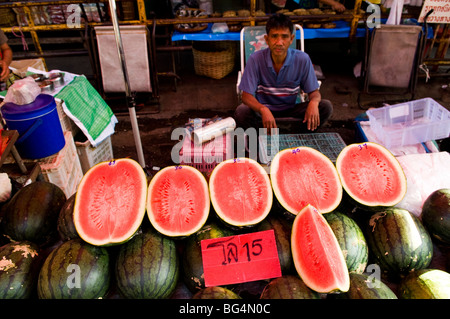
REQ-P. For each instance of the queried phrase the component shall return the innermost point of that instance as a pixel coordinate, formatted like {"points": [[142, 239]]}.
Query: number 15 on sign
{"points": [[242, 258]]}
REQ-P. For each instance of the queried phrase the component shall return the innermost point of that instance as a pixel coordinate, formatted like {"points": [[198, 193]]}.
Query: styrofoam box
{"points": [[89, 155], [409, 123]]}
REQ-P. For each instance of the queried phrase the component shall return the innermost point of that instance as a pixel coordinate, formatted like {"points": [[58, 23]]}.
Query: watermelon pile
{"points": [[125, 235]]}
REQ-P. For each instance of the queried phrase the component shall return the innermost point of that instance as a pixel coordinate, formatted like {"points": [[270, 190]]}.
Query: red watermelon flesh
{"points": [[371, 175], [178, 201], [302, 176], [317, 255], [241, 193], [110, 202]]}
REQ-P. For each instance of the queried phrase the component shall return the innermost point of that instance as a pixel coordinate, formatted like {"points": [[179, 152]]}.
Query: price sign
{"points": [[242, 258]]}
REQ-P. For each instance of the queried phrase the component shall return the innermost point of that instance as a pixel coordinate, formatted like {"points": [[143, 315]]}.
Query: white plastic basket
{"points": [[89, 155], [410, 123]]}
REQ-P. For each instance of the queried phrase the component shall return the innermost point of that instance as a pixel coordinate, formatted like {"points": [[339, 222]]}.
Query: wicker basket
{"points": [[214, 59]]}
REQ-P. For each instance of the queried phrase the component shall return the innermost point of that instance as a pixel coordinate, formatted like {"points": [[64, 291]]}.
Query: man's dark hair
{"points": [[278, 21]]}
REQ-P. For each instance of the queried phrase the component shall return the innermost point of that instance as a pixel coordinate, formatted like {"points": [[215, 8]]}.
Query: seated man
{"points": [[272, 80], [5, 56]]}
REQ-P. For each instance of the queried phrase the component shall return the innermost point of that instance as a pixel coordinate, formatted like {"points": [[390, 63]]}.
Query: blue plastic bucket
{"points": [[39, 127]]}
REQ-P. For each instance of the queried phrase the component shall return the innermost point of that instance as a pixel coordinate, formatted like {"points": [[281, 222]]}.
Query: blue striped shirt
{"points": [[278, 91]]}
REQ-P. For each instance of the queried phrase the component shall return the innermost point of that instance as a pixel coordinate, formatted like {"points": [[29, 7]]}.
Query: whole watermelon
{"points": [[192, 263], [425, 284], [436, 215], [398, 242], [147, 267], [351, 240], [75, 270], [32, 213], [65, 225], [19, 267], [282, 230], [216, 292], [364, 286], [288, 287]]}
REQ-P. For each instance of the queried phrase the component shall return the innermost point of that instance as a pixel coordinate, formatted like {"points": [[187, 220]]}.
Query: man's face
{"points": [[279, 41]]}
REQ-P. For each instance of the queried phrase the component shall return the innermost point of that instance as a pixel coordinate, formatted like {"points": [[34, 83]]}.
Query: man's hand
{"points": [[268, 120], [4, 70], [312, 117]]}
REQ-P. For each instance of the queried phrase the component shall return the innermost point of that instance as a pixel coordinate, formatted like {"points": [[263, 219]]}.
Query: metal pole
{"points": [[130, 97]]}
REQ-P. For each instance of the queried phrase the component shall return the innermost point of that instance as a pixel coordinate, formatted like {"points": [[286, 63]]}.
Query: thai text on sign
{"points": [[441, 13], [241, 258]]}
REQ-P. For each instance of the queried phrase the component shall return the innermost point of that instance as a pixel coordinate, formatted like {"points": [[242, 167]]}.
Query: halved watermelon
{"points": [[178, 201], [317, 255], [371, 175], [240, 192], [110, 202], [302, 176]]}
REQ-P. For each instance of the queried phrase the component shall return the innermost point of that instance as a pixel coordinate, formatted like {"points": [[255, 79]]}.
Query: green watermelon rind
{"points": [[75, 270], [288, 287], [216, 292], [192, 272], [19, 269], [398, 242], [366, 286], [436, 215], [32, 213], [351, 240], [425, 284], [147, 267]]}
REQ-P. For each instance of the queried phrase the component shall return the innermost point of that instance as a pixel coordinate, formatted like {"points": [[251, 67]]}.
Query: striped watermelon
{"points": [[398, 241], [65, 225], [75, 270], [216, 292], [436, 215], [351, 240], [147, 267], [288, 287], [32, 213], [363, 286], [425, 284], [19, 267], [192, 262], [282, 230]]}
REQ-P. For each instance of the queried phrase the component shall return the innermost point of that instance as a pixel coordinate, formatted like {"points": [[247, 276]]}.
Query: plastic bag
{"points": [[219, 27], [424, 173], [23, 91]]}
